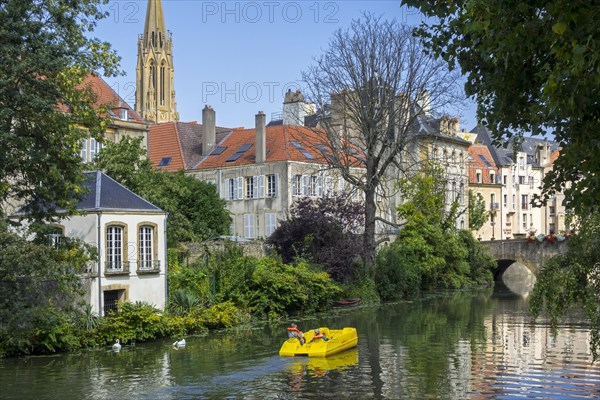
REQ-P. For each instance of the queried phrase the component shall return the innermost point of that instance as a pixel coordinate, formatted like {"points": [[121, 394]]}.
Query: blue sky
{"points": [[239, 56]]}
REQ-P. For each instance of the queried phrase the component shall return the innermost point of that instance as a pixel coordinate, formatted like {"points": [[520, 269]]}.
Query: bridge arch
{"points": [[501, 267], [533, 255]]}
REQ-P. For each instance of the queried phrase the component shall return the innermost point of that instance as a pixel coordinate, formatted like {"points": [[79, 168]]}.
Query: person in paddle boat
{"points": [[319, 335], [294, 332]]}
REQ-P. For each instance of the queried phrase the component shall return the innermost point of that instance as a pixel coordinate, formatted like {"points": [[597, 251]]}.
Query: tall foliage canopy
{"points": [[45, 52], [426, 199], [533, 66]]}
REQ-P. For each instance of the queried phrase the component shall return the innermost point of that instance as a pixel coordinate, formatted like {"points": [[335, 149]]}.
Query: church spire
{"points": [[155, 20], [155, 89]]}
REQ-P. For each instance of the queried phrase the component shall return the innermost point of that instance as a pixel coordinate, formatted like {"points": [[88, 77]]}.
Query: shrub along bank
{"points": [[223, 291], [226, 288]]}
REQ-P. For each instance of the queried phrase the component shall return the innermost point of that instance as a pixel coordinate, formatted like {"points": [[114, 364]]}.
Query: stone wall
{"points": [[251, 248]]}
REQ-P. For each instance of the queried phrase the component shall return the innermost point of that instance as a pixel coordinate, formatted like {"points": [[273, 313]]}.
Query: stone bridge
{"points": [[532, 255]]}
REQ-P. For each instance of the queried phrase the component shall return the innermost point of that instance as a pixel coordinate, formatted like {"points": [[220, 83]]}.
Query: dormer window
{"points": [[123, 114]]}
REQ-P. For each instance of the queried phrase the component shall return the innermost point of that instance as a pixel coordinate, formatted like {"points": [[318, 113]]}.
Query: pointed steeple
{"points": [[155, 22], [155, 88]]}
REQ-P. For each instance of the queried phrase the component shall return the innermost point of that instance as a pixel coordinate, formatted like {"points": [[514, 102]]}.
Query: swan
{"points": [[179, 343], [117, 346]]}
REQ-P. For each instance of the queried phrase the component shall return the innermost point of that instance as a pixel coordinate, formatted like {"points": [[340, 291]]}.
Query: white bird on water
{"points": [[117, 346], [179, 343]]}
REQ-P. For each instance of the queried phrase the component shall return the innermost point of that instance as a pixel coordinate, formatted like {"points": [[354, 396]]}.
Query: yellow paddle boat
{"points": [[321, 342]]}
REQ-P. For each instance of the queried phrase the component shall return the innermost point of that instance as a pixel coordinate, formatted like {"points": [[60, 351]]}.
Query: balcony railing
{"points": [[116, 268], [148, 266], [494, 206]]}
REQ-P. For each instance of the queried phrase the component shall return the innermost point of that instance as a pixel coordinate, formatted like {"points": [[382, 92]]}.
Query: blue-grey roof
{"points": [[484, 136], [504, 155], [427, 125], [106, 194]]}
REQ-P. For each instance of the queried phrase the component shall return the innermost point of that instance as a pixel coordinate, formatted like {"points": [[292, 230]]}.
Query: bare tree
{"points": [[371, 86]]}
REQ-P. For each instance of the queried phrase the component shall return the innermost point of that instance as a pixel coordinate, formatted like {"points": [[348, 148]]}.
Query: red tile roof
{"points": [[475, 162], [163, 142], [182, 141], [279, 146], [107, 96]]}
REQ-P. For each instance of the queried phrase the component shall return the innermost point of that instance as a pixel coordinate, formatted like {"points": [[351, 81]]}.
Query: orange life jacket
{"points": [[294, 330]]}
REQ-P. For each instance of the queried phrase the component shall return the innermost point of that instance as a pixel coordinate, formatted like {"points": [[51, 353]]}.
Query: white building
{"points": [[130, 236], [521, 174]]}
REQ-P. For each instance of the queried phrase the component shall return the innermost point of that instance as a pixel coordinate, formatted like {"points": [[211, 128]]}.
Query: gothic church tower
{"points": [[155, 91]]}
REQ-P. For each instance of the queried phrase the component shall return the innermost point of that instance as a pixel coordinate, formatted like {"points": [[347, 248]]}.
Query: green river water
{"points": [[463, 345]]}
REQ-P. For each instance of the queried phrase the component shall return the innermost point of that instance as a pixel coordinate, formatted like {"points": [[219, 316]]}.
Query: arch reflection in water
{"points": [[519, 279], [318, 366]]}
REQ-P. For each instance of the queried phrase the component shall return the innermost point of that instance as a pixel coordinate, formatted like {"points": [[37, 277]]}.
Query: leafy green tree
{"points": [[265, 287], [195, 210], [323, 231], [426, 195], [429, 253], [573, 280], [398, 272], [126, 162], [477, 212], [534, 67], [38, 294], [45, 53]]}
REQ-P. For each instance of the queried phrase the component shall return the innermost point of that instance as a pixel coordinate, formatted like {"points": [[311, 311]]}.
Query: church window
{"points": [[152, 75], [162, 83], [153, 39]]}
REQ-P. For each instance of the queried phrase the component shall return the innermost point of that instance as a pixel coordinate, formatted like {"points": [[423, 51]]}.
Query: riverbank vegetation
{"points": [[430, 252]]}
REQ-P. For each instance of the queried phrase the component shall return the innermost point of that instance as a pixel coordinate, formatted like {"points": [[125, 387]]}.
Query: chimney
{"points": [[294, 108], [455, 125], [542, 153], [261, 138], [208, 127], [424, 101]]}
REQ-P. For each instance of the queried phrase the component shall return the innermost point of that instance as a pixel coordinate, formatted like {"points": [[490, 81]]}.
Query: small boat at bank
{"points": [[346, 303], [337, 340]]}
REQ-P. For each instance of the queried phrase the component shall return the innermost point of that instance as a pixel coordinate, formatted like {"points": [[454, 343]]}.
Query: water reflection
{"points": [[518, 279], [319, 366], [458, 346]]}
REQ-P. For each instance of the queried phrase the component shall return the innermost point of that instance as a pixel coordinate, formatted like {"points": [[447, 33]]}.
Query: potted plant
{"points": [[551, 237]]}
